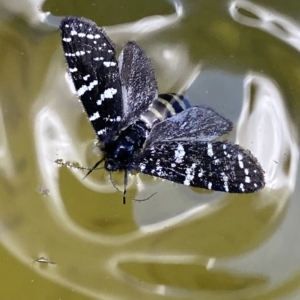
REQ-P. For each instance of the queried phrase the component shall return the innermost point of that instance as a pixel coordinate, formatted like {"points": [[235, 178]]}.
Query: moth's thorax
{"points": [[120, 152]]}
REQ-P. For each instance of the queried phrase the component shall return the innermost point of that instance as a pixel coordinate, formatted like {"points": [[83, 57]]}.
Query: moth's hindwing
{"points": [[216, 166], [139, 87], [198, 123], [93, 67]]}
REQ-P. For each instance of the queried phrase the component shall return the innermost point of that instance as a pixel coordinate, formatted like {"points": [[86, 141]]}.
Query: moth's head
{"points": [[113, 165]]}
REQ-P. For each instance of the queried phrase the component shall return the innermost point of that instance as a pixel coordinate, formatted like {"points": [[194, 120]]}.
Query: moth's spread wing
{"points": [[216, 166], [93, 67], [139, 87], [197, 123]]}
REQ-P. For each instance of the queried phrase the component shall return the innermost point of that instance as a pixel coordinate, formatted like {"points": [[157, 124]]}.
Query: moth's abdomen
{"points": [[164, 107]]}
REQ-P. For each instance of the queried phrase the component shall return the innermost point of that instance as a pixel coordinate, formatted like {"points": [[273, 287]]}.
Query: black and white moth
{"points": [[117, 97]]}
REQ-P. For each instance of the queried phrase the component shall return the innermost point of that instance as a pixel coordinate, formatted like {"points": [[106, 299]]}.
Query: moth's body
{"points": [[120, 153], [119, 97]]}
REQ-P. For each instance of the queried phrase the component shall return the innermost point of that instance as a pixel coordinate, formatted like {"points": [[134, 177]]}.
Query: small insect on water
{"points": [[118, 97]]}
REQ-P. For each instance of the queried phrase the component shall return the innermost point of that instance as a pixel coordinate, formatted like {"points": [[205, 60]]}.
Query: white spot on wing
{"points": [[217, 161], [94, 117], [92, 84], [240, 158], [210, 150], [102, 131], [242, 187], [79, 53], [109, 93], [86, 77], [82, 90], [109, 64], [99, 101], [224, 178], [85, 88], [179, 153], [201, 173], [226, 187], [190, 174], [159, 170]]}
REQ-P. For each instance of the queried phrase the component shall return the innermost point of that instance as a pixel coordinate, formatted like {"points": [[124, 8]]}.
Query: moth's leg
{"points": [[93, 168]]}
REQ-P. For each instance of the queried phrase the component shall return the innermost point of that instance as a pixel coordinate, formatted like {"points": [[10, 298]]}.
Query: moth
{"points": [[118, 96]]}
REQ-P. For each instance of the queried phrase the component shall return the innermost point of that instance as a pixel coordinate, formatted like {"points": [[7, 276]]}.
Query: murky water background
{"points": [[67, 238]]}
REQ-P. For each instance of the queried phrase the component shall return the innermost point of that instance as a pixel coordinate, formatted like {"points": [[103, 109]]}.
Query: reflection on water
{"points": [[6, 164], [266, 130], [43, 260], [253, 15], [183, 242]]}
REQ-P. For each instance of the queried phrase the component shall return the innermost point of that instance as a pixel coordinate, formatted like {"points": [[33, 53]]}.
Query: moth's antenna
{"points": [[124, 191], [61, 163], [140, 200], [114, 185], [88, 169], [125, 186], [93, 168]]}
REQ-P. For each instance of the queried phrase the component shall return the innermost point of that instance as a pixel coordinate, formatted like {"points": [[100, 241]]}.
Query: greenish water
{"points": [[239, 57]]}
